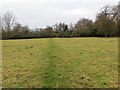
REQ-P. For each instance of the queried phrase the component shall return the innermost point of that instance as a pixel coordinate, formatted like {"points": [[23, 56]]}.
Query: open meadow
{"points": [[60, 63]]}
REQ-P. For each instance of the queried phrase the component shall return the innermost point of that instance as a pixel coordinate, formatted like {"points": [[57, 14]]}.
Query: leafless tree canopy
{"points": [[0, 22], [8, 21]]}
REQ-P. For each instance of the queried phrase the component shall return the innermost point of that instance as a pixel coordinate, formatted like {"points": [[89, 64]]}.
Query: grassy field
{"points": [[60, 63]]}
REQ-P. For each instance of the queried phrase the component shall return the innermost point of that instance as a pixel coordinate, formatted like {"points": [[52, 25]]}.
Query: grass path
{"points": [[50, 77], [60, 63], [53, 72]]}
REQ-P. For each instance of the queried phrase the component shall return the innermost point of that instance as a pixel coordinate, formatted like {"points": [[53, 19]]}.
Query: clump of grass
{"points": [[31, 46]]}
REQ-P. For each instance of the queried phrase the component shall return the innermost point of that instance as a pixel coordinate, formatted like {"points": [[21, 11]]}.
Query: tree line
{"points": [[105, 25]]}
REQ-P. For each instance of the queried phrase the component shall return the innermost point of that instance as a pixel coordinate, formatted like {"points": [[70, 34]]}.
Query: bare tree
{"points": [[119, 18], [0, 27], [0, 22], [8, 21], [114, 13], [83, 27], [106, 21]]}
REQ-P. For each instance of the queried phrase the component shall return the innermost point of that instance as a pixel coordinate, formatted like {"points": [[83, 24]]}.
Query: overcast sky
{"points": [[40, 13]]}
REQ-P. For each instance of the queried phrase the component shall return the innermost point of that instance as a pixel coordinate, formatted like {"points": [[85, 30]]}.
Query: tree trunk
{"points": [[105, 34]]}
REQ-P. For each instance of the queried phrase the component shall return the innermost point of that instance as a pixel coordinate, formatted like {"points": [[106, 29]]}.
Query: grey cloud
{"points": [[36, 13]]}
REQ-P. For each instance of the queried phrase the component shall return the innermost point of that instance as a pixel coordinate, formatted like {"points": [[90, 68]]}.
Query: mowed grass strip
{"points": [[53, 77], [61, 63]]}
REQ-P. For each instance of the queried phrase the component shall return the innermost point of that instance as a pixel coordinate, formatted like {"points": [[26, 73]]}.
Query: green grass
{"points": [[60, 63]]}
